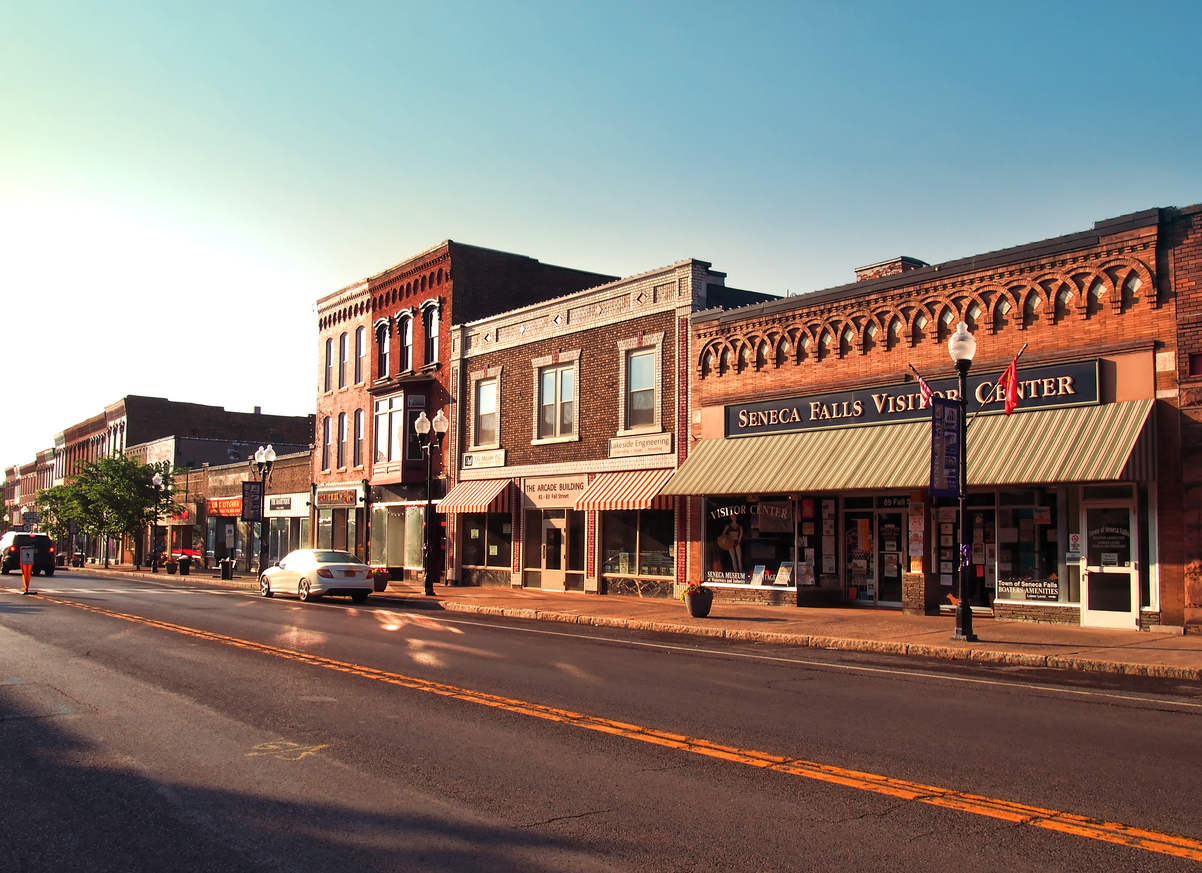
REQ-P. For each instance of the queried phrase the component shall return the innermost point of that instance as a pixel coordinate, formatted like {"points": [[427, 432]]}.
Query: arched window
{"points": [[382, 351], [358, 438], [430, 328], [360, 353], [325, 443], [344, 352], [329, 381], [341, 440]]}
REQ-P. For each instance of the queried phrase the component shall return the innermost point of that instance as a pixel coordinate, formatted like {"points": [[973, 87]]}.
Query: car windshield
{"points": [[335, 558]]}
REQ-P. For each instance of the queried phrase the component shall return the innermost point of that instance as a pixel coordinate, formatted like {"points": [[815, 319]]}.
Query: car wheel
{"points": [[264, 586], [359, 596], [49, 571], [304, 593], [37, 571]]}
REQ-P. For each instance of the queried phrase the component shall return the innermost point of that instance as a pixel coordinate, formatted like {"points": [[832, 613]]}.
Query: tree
{"points": [[56, 509], [114, 497]]}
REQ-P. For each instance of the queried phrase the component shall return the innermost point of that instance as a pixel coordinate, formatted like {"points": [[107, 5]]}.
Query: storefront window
{"points": [[638, 542], [325, 528], [1027, 548], [414, 529], [749, 542], [487, 539], [379, 536]]}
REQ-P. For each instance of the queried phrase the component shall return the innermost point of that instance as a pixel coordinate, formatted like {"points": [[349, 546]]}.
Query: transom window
{"points": [[556, 400]]}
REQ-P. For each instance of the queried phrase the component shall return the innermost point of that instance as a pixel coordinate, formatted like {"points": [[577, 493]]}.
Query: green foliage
{"points": [[111, 497], [56, 509]]}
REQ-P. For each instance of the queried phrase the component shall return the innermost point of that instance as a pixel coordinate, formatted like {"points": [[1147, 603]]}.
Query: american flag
{"points": [[923, 387]]}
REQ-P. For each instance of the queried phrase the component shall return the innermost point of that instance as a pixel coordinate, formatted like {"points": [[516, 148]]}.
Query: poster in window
{"points": [[757, 574], [828, 508], [828, 564], [809, 557], [828, 527], [805, 573], [891, 565], [1043, 515], [784, 576], [807, 528], [807, 507]]}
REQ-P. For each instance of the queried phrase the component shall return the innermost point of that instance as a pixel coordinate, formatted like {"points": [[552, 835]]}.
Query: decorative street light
{"points": [[432, 441], [157, 480], [264, 460], [962, 347]]}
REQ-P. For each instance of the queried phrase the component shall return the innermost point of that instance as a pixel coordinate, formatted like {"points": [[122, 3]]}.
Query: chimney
{"points": [[891, 267], [258, 410]]}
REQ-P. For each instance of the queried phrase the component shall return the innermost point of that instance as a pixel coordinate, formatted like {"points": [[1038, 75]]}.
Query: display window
{"points": [[638, 542], [1029, 565], [750, 542], [487, 539]]}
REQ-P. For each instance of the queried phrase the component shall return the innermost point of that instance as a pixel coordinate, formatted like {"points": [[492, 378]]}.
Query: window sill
{"points": [[649, 430], [574, 438], [486, 447]]}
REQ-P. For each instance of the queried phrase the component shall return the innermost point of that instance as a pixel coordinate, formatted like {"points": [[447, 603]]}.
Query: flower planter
{"points": [[699, 602], [171, 568]]}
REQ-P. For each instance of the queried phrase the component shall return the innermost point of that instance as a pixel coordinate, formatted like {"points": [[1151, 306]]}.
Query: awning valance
{"points": [[477, 495], [1080, 444], [635, 489]]}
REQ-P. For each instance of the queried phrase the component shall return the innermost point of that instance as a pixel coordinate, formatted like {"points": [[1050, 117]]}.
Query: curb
{"points": [[946, 653]]}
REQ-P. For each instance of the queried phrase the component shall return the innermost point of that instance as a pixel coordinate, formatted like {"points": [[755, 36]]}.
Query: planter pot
{"points": [[699, 603], [380, 580], [171, 568]]}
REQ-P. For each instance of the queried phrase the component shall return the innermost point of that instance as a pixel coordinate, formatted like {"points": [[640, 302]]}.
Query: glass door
{"points": [[859, 556], [554, 550], [891, 534], [1110, 596]]}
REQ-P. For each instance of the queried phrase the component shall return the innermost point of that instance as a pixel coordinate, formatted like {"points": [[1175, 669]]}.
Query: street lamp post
{"points": [[264, 460], [432, 441], [962, 347], [157, 479]]}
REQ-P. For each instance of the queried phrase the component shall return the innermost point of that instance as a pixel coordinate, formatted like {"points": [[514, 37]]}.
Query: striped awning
{"points": [[1081, 444], [636, 489], [477, 495]]}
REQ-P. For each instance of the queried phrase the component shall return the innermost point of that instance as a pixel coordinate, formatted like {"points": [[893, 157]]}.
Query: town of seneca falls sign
{"points": [[1052, 387]]}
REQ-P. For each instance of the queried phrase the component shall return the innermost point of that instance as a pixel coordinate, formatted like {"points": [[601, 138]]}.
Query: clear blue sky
{"points": [[180, 182]]}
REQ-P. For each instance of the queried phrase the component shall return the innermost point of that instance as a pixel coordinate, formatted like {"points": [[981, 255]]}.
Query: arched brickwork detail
{"points": [[1121, 271]]}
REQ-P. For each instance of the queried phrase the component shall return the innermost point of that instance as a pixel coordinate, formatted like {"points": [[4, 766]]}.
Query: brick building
{"points": [[565, 422], [382, 346], [812, 451]]}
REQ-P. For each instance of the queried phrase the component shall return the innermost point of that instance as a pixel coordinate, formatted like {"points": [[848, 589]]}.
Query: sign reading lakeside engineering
{"points": [[1051, 387]]}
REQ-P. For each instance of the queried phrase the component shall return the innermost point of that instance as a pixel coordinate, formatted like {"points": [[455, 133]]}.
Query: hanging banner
{"points": [[252, 501], [945, 447]]}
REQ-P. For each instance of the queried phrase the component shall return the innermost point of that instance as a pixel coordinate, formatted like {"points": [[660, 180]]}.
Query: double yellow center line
{"points": [[1018, 813]]}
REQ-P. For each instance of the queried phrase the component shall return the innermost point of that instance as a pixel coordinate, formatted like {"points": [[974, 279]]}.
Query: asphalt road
{"points": [[157, 728]]}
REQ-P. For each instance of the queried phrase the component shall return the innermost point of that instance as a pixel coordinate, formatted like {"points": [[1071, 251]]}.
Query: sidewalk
{"points": [[888, 631]]}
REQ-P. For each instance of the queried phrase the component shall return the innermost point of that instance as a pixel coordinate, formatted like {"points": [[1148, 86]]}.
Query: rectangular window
{"points": [[405, 329], [414, 441], [343, 354], [329, 380], [341, 440], [360, 353], [638, 542], [640, 389], [556, 399], [358, 437], [325, 443], [430, 325], [382, 351], [486, 413]]}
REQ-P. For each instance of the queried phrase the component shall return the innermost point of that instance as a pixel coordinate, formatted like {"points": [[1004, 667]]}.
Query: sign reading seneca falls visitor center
{"points": [[1052, 387]]}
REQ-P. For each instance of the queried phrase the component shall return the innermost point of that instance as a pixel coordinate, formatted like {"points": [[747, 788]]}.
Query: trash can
{"points": [[227, 568], [185, 565]]}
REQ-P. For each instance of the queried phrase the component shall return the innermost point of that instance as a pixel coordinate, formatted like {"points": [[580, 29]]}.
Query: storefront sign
{"points": [[227, 507], [650, 444], [494, 458], [342, 497], [553, 493], [1051, 387], [285, 505], [1028, 589]]}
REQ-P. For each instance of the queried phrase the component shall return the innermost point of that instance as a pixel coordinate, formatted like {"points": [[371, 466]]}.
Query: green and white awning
{"points": [[1111, 442]]}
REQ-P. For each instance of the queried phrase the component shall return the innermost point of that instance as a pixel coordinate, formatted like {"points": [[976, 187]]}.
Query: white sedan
{"points": [[312, 573]]}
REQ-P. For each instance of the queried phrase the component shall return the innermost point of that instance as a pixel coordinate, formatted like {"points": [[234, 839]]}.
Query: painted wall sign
{"points": [[286, 505], [1052, 387]]}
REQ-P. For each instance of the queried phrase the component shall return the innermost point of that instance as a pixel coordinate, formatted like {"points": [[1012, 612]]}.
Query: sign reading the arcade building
{"points": [[1052, 387]]}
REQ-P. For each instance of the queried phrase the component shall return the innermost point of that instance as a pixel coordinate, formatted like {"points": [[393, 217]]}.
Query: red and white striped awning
{"points": [[477, 495], [637, 489]]}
